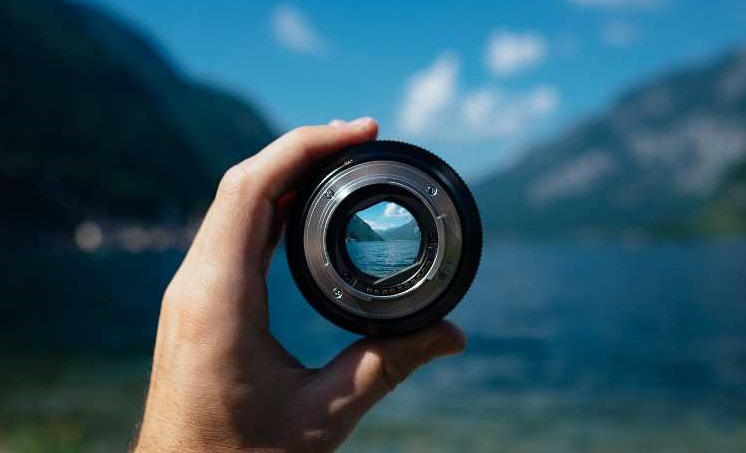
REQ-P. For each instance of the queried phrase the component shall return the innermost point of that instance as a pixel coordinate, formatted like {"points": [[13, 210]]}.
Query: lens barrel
{"points": [[437, 268]]}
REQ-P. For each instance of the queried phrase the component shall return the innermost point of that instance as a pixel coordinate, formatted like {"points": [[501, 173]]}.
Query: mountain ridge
{"points": [[410, 231], [652, 164], [358, 230], [99, 125]]}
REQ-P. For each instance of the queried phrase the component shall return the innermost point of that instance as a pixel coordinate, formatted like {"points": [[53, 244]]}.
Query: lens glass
{"points": [[383, 239]]}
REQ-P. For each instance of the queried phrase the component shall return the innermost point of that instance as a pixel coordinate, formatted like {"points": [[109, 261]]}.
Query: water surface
{"points": [[572, 347], [382, 258]]}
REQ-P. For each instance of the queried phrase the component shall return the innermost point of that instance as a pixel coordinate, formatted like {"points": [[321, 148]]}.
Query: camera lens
{"points": [[384, 239]]}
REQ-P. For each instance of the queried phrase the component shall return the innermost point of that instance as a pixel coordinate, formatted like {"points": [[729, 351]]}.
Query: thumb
{"points": [[348, 386]]}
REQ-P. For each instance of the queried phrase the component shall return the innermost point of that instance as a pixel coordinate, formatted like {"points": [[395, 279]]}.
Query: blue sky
{"points": [[476, 82], [385, 215]]}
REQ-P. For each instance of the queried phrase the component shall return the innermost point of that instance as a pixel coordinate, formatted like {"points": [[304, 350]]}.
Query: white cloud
{"points": [[509, 53], [620, 34], [427, 93], [394, 210], [392, 216], [435, 106], [490, 113], [477, 105], [619, 4], [294, 32]]}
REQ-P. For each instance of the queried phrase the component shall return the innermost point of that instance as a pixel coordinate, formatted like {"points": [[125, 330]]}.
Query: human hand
{"points": [[220, 380]]}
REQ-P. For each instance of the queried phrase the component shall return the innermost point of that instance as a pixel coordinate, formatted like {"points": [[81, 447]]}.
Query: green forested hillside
{"points": [[96, 123]]}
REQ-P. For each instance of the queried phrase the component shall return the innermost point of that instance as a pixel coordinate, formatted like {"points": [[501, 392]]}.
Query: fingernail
{"points": [[337, 123], [360, 122]]}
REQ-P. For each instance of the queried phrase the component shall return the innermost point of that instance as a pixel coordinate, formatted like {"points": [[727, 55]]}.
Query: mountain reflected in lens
{"points": [[383, 239]]}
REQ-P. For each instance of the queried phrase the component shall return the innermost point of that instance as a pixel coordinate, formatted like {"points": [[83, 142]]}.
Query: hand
{"points": [[220, 380]]}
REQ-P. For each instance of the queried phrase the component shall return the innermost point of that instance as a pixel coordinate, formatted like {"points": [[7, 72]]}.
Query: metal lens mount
{"points": [[413, 297]]}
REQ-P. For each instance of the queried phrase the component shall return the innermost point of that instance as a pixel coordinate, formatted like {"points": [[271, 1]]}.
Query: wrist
{"points": [[163, 435]]}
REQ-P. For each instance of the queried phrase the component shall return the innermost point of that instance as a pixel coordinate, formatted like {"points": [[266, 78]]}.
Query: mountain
{"points": [[726, 212], [667, 159], [98, 124], [358, 230], [410, 231]]}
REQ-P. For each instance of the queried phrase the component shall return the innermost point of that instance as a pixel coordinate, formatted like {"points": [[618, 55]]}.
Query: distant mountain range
{"points": [[410, 231], [360, 230], [96, 123], [668, 159]]}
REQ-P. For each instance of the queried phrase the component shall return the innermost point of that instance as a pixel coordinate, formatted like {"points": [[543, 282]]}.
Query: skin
{"points": [[220, 381]]}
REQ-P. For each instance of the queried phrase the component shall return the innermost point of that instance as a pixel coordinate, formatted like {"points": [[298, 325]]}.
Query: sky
{"points": [[476, 82], [385, 215]]}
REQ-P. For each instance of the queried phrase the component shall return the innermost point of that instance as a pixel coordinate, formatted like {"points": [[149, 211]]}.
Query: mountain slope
{"points": [[358, 230], [410, 231], [96, 124], [656, 163]]}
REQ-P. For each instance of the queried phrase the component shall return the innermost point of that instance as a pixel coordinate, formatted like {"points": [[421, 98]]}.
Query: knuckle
{"points": [[392, 373], [170, 294], [390, 369], [236, 180]]}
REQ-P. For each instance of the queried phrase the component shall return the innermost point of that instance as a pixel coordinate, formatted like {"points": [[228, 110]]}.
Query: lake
{"points": [[572, 347], [382, 258]]}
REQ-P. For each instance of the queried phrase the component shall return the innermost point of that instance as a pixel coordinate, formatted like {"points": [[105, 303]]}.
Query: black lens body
{"points": [[421, 294]]}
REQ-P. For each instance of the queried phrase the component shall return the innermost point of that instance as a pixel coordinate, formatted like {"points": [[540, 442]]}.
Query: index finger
{"points": [[277, 168], [238, 225]]}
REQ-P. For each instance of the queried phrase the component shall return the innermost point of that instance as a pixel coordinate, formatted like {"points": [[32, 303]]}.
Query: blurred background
{"points": [[605, 141]]}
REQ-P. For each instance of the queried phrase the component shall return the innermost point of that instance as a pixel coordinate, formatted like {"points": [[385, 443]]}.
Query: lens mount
{"points": [[447, 223], [404, 280]]}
